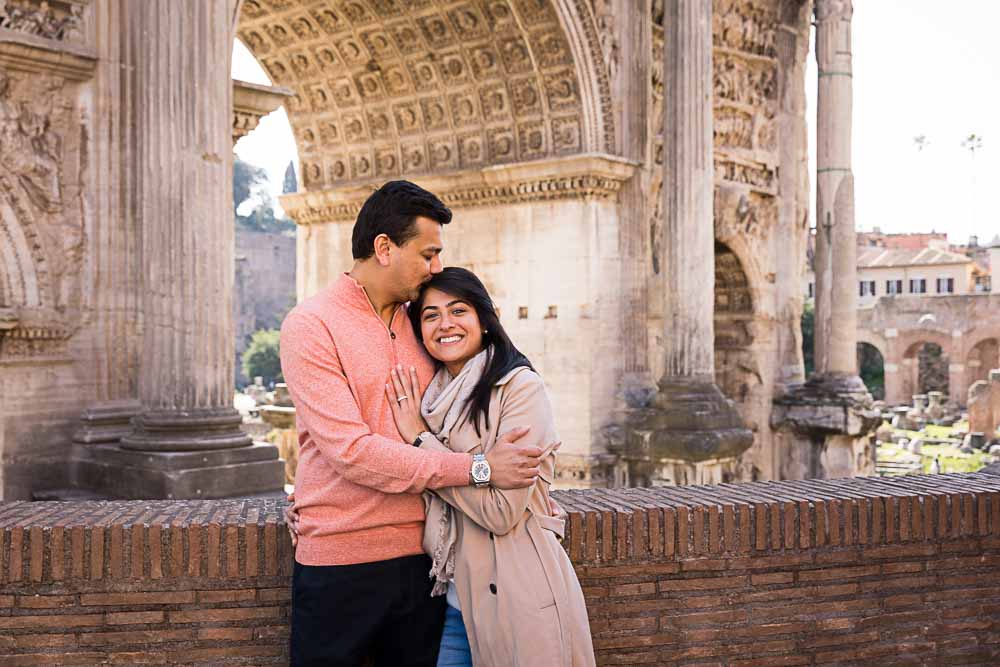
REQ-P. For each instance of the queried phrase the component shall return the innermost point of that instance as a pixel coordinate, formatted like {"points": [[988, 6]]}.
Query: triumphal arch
{"points": [[629, 177]]}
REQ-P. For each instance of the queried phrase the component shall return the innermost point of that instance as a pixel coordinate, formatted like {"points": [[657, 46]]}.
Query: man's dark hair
{"points": [[392, 210]]}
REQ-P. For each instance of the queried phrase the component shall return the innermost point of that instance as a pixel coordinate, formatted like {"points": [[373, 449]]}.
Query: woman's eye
{"points": [[428, 318], [458, 311]]}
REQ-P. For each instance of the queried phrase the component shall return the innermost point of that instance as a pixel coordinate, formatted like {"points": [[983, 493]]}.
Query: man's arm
{"points": [[327, 407], [500, 510]]}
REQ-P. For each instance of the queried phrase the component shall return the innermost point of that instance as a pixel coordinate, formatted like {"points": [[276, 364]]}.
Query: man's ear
{"points": [[383, 245]]}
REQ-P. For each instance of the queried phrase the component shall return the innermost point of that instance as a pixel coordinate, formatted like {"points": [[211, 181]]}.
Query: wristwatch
{"points": [[480, 472], [420, 438]]}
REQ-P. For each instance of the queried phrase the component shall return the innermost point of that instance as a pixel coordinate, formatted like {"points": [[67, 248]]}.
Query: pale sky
{"points": [[921, 67]]}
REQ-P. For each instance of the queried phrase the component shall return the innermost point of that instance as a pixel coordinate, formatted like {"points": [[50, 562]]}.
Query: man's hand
{"points": [[514, 466], [292, 519]]}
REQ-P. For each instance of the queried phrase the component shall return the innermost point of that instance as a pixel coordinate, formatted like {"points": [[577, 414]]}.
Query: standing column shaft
{"points": [[688, 183], [836, 252], [180, 58]]}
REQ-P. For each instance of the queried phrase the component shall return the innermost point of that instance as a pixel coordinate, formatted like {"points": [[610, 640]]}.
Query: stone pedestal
{"points": [[106, 422], [690, 433], [281, 418], [826, 425]]}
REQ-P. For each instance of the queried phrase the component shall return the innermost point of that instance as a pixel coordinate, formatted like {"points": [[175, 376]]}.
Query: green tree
{"points": [[261, 356], [808, 335], [290, 184], [250, 183]]}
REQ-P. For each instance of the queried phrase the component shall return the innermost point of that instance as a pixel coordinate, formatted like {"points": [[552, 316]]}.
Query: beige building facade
{"points": [[597, 177]]}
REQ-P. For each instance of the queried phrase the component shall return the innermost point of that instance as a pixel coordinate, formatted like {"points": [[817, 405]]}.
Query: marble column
{"points": [[836, 250], [187, 440], [826, 422], [691, 423]]}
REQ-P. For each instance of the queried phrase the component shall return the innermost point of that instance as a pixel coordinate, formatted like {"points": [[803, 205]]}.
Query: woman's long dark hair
{"points": [[464, 285]]}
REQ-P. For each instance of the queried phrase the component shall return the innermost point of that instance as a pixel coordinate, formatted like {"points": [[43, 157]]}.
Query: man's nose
{"points": [[436, 266]]}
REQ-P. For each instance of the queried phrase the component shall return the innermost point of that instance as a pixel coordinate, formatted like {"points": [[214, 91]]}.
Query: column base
{"points": [[186, 430], [690, 434], [825, 427], [109, 421], [113, 471]]}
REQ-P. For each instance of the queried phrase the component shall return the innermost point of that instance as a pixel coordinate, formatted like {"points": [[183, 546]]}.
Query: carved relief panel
{"points": [[42, 159]]}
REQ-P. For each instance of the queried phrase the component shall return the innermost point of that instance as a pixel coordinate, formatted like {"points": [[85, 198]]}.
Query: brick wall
{"points": [[860, 571]]}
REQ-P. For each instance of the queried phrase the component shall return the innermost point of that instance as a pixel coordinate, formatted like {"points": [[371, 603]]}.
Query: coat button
{"points": [[392, 334], [493, 589]]}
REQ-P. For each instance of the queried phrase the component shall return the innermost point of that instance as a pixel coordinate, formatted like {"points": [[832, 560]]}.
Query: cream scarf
{"points": [[445, 401]]}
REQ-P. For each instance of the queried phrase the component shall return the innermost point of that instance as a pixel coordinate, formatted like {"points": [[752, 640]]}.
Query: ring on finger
{"points": [[401, 399]]}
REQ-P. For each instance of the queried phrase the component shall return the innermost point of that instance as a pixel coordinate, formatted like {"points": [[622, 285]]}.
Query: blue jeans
{"points": [[455, 651]]}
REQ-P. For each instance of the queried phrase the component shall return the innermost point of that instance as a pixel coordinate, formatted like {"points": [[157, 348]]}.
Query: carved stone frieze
{"points": [[585, 177], [404, 89], [749, 26], [41, 221], [60, 20]]}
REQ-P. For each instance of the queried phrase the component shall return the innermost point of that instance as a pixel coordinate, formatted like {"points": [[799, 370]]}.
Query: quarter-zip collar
{"points": [[352, 293]]}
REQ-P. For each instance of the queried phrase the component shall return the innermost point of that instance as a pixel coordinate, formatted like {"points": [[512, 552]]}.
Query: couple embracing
{"points": [[424, 530]]}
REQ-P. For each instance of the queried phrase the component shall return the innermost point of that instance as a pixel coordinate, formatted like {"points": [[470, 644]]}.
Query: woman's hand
{"points": [[404, 395]]}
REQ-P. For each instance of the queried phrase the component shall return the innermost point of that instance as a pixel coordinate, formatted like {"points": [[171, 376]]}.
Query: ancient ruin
{"points": [[585, 154]]}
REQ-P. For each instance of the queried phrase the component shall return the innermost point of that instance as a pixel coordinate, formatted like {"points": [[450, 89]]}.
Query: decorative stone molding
{"points": [[251, 102], [593, 176]]}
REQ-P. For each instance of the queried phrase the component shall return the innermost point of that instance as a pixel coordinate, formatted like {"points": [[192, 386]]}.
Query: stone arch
{"points": [[399, 88], [871, 368], [23, 278], [925, 366], [736, 368], [982, 357]]}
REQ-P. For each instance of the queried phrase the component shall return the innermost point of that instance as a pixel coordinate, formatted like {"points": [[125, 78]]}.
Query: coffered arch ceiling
{"points": [[391, 88]]}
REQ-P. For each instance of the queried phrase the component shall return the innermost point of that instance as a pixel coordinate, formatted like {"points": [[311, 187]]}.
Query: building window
{"points": [[946, 285], [894, 287], [918, 286], [866, 288]]}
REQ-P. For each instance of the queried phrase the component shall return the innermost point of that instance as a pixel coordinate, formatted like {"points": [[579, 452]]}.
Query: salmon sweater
{"points": [[358, 485]]}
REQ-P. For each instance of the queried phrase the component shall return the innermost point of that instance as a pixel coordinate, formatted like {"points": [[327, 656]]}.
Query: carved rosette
{"points": [[42, 157], [386, 90]]}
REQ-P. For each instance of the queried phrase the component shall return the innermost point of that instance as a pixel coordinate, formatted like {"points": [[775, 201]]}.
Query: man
{"points": [[361, 585]]}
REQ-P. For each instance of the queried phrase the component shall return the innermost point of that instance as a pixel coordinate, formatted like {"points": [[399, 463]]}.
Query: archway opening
{"points": [[982, 358], [735, 366], [926, 365], [871, 368]]}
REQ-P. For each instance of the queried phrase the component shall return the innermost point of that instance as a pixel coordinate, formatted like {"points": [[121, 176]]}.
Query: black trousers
{"points": [[344, 615]]}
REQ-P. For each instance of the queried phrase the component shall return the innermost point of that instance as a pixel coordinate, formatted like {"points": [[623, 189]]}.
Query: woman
{"points": [[513, 597]]}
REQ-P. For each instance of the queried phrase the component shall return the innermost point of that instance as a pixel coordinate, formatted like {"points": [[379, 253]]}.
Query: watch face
{"points": [[481, 471]]}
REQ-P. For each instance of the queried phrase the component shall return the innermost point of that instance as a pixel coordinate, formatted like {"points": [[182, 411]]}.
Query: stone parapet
{"points": [[804, 572]]}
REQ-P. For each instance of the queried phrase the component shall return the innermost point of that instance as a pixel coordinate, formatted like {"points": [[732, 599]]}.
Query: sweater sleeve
{"points": [[328, 409], [526, 403]]}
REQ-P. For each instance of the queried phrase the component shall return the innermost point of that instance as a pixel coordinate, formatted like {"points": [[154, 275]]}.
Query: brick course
{"points": [[850, 572]]}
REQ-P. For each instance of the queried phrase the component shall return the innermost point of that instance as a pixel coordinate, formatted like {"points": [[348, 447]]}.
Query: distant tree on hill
{"points": [[808, 328], [250, 186], [261, 356], [290, 184]]}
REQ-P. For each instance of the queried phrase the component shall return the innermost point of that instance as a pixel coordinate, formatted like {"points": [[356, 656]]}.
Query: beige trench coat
{"points": [[521, 601]]}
